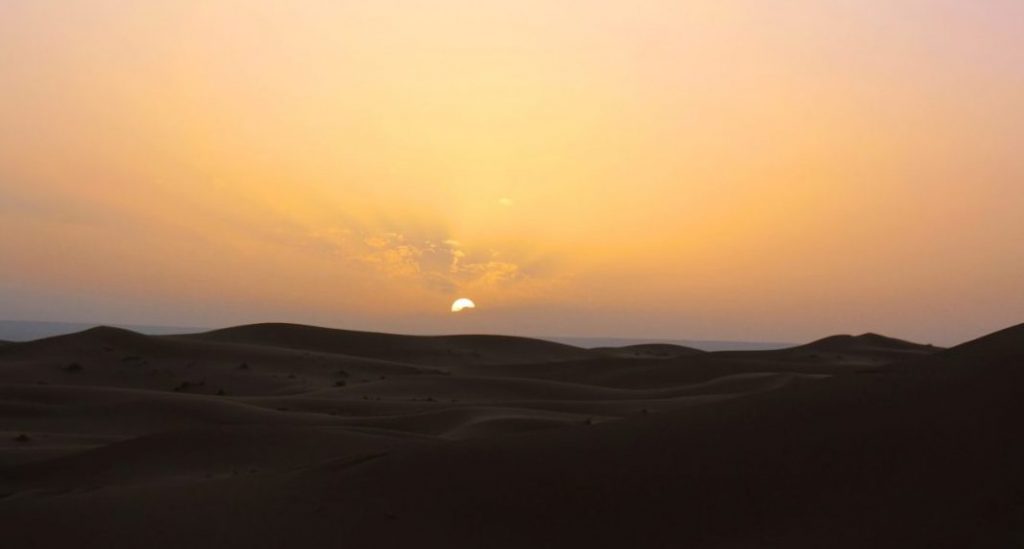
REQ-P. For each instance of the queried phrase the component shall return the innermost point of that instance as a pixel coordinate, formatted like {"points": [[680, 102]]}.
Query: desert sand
{"points": [[281, 435]]}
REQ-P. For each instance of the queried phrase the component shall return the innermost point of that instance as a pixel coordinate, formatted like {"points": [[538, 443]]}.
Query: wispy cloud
{"points": [[439, 264]]}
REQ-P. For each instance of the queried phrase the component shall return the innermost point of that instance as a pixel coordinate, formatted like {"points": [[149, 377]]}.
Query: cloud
{"points": [[440, 264]]}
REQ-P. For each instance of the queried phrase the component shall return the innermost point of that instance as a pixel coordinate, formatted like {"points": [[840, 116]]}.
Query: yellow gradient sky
{"points": [[732, 169]]}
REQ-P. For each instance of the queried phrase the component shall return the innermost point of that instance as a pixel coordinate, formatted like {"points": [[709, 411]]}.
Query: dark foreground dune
{"points": [[292, 436]]}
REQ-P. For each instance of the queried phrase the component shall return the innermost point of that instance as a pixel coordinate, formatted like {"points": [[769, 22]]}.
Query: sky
{"points": [[727, 169]]}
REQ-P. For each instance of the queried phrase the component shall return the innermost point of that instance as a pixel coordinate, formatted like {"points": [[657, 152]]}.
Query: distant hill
{"points": [[18, 330], [703, 345], [98, 337], [434, 350], [861, 350], [865, 342]]}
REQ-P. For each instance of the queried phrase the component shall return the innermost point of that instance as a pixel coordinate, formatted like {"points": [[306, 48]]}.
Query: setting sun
{"points": [[462, 304]]}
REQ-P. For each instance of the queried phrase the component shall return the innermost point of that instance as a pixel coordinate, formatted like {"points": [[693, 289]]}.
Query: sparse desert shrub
{"points": [[243, 366], [220, 392], [23, 438], [339, 383], [73, 367]]}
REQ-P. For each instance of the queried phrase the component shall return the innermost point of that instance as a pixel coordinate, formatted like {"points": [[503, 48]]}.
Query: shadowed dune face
{"points": [[1003, 347], [281, 435]]}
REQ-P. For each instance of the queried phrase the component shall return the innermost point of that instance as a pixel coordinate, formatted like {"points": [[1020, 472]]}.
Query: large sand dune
{"points": [[289, 436]]}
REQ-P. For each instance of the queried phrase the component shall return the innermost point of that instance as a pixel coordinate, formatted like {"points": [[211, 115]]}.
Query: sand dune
{"points": [[198, 454], [847, 350], [1001, 348], [111, 357], [650, 350], [287, 436], [428, 350]]}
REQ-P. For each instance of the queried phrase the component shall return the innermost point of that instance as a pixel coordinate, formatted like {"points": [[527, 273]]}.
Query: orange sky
{"points": [[734, 169]]}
